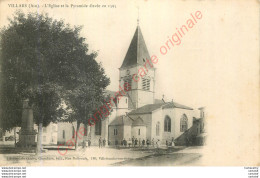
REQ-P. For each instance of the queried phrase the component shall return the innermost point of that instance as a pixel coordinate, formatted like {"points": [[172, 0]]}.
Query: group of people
{"points": [[134, 142], [86, 143], [101, 142]]}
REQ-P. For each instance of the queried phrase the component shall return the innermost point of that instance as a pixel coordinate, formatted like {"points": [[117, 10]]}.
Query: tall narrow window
{"points": [[167, 124], [139, 131], [184, 123], [115, 131], [73, 132], [63, 134], [158, 129]]}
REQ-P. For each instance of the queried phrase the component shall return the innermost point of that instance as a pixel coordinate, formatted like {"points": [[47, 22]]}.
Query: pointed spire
{"points": [[137, 52]]}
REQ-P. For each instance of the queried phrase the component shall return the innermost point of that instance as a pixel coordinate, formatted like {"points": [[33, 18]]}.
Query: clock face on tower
{"points": [[128, 72]]}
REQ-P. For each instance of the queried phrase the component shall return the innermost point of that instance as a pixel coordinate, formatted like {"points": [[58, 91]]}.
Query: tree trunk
{"points": [[14, 136], [76, 135], [39, 139]]}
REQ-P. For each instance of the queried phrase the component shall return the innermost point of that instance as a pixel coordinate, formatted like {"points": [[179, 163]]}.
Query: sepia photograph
{"points": [[129, 83]]}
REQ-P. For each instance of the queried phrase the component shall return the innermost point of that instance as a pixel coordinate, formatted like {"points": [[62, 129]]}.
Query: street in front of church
{"points": [[108, 156], [184, 156]]}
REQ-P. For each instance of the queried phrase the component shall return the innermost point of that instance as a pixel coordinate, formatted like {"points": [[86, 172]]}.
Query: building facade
{"points": [[136, 113]]}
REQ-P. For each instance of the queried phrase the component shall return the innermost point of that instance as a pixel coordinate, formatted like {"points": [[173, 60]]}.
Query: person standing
{"points": [[173, 144], [89, 143], [84, 147], [104, 142], [147, 143], [84, 144], [129, 142], [158, 143], [143, 143], [100, 142], [124, 143], [133, 141]]}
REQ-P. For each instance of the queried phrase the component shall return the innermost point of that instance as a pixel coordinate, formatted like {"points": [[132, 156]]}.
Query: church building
{"points": [[137, 113]]}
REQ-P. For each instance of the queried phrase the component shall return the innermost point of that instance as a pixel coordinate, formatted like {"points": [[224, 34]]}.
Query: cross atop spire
{"points": [[138, 17]]}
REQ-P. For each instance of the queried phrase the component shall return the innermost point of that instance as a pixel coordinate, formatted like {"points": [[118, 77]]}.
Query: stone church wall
{"points": [[139, 135], [156, 117], [147, 118], [115, 137]]}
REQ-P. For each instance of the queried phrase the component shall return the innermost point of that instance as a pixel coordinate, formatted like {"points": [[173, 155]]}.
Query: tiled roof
{"points": [[138, 122], [137, 52], [149, 108], [176, 105], [122, 120], [125, 120]]}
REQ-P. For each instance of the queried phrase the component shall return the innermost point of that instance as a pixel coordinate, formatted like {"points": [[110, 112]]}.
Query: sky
{"points": [[110, 30], [216, 65], [190, 73]]}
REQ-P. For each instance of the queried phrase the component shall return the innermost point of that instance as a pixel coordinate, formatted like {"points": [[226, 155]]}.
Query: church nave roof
{"points": [[149, 108]]}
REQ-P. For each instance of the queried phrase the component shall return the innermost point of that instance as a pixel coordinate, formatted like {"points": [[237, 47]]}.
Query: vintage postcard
{"points": [[129, 83]]}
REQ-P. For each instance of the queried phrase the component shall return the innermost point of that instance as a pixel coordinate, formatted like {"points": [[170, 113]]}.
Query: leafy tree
{"points": [[46, 61], [85, 99]]}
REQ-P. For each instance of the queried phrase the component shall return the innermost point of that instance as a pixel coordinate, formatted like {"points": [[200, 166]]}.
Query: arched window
{"points": [[184, 123], [158, 129], [167, 124]]}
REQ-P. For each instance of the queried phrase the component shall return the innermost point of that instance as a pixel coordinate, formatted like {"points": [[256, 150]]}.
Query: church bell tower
{"points": [[137, 71]]}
